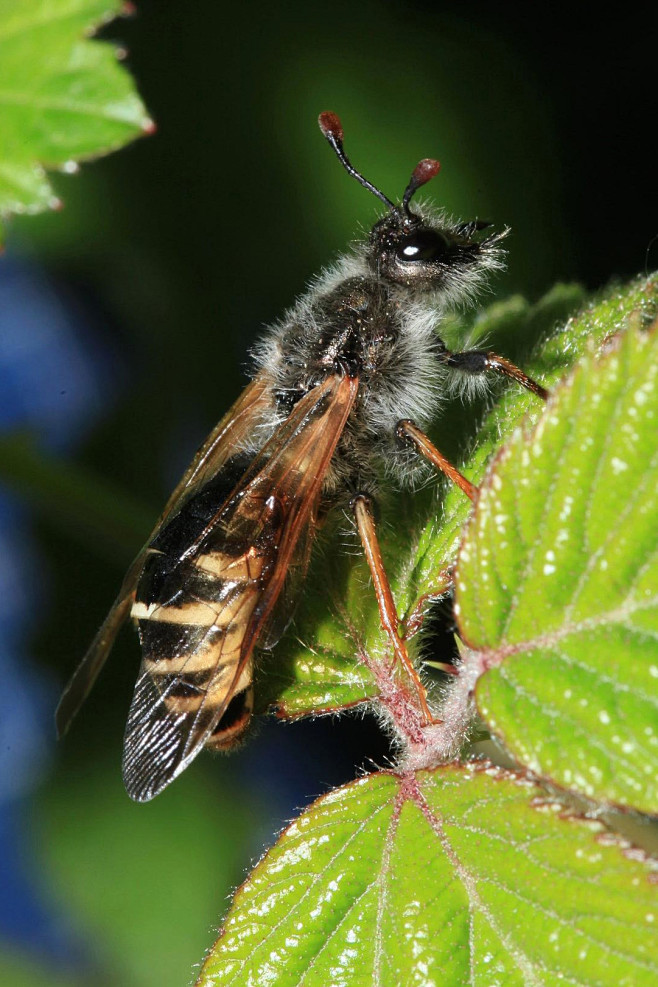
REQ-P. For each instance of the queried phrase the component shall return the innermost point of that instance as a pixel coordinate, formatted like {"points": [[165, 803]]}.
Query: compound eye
{"points": [[423, 246]]}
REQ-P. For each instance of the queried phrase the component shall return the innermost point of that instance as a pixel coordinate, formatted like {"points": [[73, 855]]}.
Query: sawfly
{"points": [[342, 390]]}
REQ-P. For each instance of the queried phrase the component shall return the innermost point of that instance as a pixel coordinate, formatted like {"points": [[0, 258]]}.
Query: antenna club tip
{"points": [[425, 170], [330, 125]]}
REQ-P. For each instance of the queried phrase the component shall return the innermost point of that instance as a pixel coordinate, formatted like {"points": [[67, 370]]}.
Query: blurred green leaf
{"points": [[23, 970], [75, 500], [63, 98], [452, 876], [142, 882], [557, 581]]}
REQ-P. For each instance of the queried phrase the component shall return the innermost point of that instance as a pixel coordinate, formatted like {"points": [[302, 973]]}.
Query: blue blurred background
{"points": [[125, 321]]}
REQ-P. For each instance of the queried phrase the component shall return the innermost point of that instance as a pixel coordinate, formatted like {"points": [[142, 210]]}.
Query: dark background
{"points": [[164, 263]]}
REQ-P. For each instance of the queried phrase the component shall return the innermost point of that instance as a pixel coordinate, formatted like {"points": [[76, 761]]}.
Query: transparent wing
{"points": [[283, 610], [198, 635], [209, 460]]}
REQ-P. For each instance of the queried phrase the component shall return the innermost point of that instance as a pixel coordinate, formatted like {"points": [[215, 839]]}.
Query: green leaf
{"points": [[63, 98], [557, 581], [448, 877]]}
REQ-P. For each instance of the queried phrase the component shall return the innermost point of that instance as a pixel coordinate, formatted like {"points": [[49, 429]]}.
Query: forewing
{"points": [[215, 599], [283, 609], [212, 456], [226, 437]]}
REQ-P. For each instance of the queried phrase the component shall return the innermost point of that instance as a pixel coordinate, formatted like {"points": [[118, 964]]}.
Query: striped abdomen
{"points": [[194, 602]]}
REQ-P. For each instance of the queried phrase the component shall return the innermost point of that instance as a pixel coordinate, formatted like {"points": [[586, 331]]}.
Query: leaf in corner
{"points": [[63, 97], [557, 582], [454, 876]]}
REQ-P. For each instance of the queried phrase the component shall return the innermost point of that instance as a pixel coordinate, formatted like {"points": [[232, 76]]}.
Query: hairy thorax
{"points": [[366, 328]]}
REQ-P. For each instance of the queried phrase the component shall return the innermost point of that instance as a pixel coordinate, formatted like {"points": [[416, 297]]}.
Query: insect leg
{"points": [[407, 430], [480, 361], [387, 612]]}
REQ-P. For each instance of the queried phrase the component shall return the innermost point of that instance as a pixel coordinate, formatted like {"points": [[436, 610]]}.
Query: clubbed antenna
{"points": [[421, 175], [332, 129], [426, 169]]}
